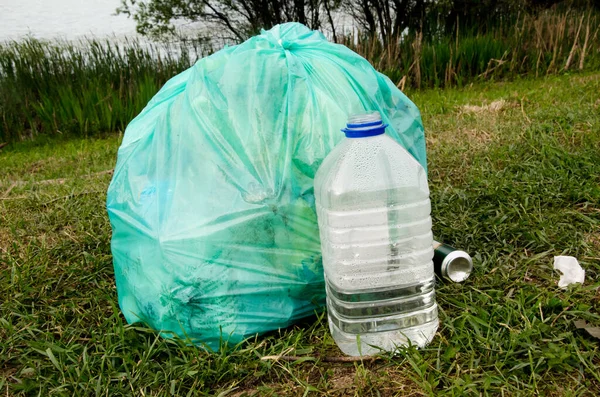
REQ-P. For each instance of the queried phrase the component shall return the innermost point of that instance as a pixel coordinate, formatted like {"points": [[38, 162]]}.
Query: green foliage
{"points": [[237, 20], [154, 18], [231, 21], [514, 177]]}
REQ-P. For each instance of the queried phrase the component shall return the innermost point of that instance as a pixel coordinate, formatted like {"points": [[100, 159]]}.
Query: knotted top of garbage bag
{"points": [[288, 34]]}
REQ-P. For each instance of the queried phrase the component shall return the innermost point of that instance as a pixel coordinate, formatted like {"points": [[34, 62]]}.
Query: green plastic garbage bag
{"points": [[215, 235]]}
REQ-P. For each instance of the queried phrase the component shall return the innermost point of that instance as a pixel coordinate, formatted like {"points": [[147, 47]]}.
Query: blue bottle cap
{"points": [[364, 125]]}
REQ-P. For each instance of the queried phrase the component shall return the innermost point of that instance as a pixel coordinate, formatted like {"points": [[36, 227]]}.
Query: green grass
{"points": [[514, 184]]}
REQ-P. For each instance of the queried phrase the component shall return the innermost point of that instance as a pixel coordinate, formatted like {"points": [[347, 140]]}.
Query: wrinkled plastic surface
{"points": [[215, 235]]}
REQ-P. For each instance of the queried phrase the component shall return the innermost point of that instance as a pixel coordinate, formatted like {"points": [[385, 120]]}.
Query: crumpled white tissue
{"points": [[570, 269]]}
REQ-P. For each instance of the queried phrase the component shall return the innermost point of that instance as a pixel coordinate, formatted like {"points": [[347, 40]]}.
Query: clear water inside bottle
{"points": [[373, 208]]}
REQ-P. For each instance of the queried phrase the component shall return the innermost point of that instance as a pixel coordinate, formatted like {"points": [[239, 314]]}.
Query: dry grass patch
{"points": [[472, 127], [493, 107]]}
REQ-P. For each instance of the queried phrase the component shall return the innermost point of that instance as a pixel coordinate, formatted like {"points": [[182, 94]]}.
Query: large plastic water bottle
{"points": [[374, 218]]}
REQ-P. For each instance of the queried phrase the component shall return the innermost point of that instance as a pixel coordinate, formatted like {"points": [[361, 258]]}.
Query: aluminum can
{"points": [[450, 263]]}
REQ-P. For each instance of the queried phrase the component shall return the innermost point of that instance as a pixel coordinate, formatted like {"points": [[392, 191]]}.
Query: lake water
{"points": [[68, 19]]}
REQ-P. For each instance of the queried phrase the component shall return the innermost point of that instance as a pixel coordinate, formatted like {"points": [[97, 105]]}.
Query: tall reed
{"points": [[533, 45], [97, 86], [82, 88]]}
